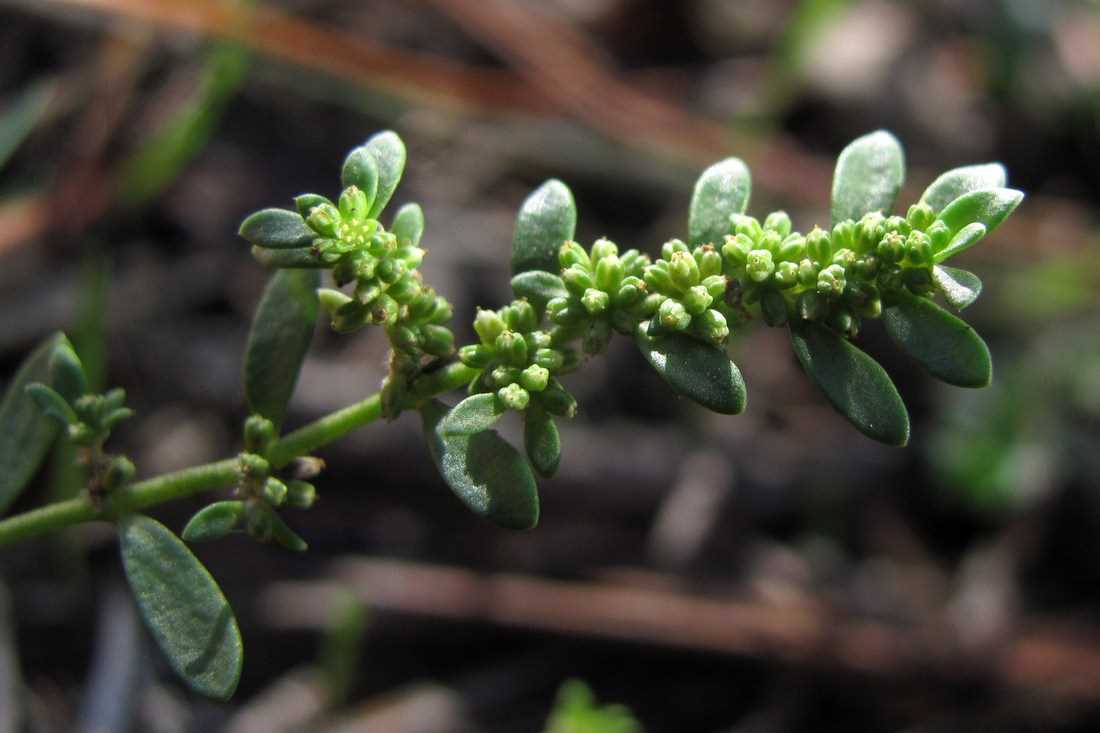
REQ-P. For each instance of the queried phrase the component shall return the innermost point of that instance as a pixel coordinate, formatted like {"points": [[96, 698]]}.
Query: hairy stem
{"points": [[194, 480]]}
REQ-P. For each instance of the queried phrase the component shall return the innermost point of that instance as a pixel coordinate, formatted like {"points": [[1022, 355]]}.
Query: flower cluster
{"points": [[687, 293]]}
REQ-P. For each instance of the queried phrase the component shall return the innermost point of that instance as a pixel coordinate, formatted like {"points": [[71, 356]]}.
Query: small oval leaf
{"points": [[388, 151], [960, 288], [723, 189], [966, 238], [67, 373], [547, 218], [869, 173], [52, 404], [539, 287], [277, 229], [486, 473], [473, 415], [960, 181], [360, 170], [942, 343], [283, 535], [699, 371], [856, 385], [27, 431], [989, 207], [307, 201], [408, 225], [541, 441], [183, 607], [214, 521], [277, 343]]}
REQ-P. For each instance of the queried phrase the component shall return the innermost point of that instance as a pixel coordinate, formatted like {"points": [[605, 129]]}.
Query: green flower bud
{"points": [[512, 348], [673, 316], [332, 300], [442, 312], [778, 222], [558, 401], [534, 378], [551, 359], [709, 261], [564, 312], [811, 306], [367, 291], [275, 491], [792, 248], [786, 274], [514, 397], [736, 250], [713, 327], [715, 285], [488, 325], [437, 340], [696, 300], [391, 270], [384, 311], [577, 280], [253, 466], [869, 231], [940, 234], [119, 472], [898, 224], [609, 273], [819, 245], [525, 317], [920, 216], [891, 249], [634, 262], [301, 494], [404, 290], [831, 281], [759, 265], [381, 243], [259, 434], [411, 256], [841, 320], [866, 266], [604, 247], [305, 467], [595, 301], [354, 204], [671, 247], [348, 317], [596, 337], [651, 303], [747, 225], [258, 520], [844, 235], [773, 306], [807, 273], [572, 254], [403, 338], [684, 270], [658, 278], [476, 356], [770, 241], [918, 250], [502, 376], [844, 257], [324, 219], [422, 305], [630, 292]]}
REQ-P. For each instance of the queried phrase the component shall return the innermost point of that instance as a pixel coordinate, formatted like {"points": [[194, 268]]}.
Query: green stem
{"points": [[194, 480]]}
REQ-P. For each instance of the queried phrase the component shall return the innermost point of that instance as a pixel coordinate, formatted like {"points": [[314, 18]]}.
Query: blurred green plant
{"points": [[679, 309], [576, 711]]}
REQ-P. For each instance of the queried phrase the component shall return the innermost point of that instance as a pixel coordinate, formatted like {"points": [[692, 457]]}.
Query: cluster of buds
{"points": [[687, 292], [605, 291], [519, 362], [836, 277]]}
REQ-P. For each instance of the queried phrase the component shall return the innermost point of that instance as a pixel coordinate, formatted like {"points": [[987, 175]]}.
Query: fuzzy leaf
{"points": [[722, 190], [961, 181], [486, 473], [27, 431], [942, 343], [989, 207], [408, 225], [539, 287], [853, 382], [183, 607], [542, 441], [960, 288], [547, 218], [869, 173], [361, 170], [699, 371], [388, 151], [307, 201], [214, 521], [277, 343], [474, 414], [277, 229], [966, 238]]}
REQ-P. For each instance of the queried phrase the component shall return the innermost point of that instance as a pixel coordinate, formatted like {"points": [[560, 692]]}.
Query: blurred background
{"points": [[774, 571]]}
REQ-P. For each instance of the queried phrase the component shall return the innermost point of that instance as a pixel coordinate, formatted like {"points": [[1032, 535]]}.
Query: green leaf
{"points": [[961, 181], [361, 170], [302, 258], [869, 173], [183, 607], [408, 225], [285, 536], [966, 238], [547, 218], [21, 116], [853, 382], [277, 229], [697, 370], [388, 152], [306, 202], [959, 287], [281, 333], [486, 473], [942, 343], [52, 404], [989, 207], [214, 521], [27, 431], [722, 190], [474, 414], [542, 441], [539, 287], [67, 373]]}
